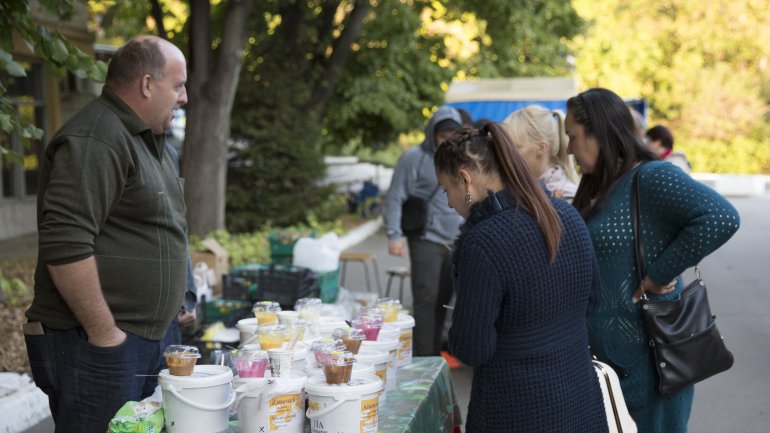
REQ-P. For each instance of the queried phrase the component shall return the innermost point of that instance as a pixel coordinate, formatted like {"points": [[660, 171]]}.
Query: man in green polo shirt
{"points": [[112, 257]]}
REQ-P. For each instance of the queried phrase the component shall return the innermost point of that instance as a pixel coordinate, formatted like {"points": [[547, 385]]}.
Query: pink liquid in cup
{"points": [[251, 367], [371, 331]]}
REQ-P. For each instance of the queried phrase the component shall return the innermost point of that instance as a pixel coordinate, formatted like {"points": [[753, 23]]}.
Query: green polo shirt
{"points": [[107, 191]]}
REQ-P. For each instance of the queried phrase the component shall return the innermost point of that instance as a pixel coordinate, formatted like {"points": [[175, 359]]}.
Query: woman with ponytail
{"points": [[539, 136], [525, 278]]}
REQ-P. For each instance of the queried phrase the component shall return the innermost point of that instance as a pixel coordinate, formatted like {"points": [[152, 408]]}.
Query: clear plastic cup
{"points": [[309, 309], [323, 346], [338, 367], [251, 362], [369, 325], [265, 312], [287, 318], [372, 311], [181, 359], [271, 336], [351, 337], [391, 308]]}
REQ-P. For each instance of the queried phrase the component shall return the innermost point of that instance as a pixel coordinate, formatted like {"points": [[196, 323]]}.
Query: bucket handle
{"points": [[326, 410], [199, 405]]}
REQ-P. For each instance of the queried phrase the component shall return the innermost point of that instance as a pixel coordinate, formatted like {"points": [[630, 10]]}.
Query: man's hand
{"points": [[185, 318], [111, 338], [396, 247]]}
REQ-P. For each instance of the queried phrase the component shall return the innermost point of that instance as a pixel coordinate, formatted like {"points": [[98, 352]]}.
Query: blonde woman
{"points": [[539, 136]]}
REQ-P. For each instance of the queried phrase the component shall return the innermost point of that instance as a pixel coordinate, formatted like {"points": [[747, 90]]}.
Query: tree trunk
{"points": [[211, 91]]}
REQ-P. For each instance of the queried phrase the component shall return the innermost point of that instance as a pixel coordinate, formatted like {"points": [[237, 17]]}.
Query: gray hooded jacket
{"points": [[415, 176]]}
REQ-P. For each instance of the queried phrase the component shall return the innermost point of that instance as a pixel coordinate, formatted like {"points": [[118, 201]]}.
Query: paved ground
{"points": [[737, 401]]}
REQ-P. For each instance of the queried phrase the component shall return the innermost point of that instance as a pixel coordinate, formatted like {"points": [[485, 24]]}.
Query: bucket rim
{"points": [[381, 345], [214, 375], [317, 385], [372, 356]]}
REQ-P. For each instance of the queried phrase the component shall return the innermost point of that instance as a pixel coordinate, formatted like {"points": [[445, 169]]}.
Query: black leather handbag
{"points": [[414, 211], [683, 333]]}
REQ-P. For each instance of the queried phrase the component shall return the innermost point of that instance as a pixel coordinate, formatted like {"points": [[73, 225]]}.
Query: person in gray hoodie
{"points": [[429, 252]]}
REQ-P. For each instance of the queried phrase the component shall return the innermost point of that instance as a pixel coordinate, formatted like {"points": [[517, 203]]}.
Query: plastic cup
{"points": [[338, 367], [181, 359], [369, 325], [309, 309], [350, 337], [287, 318], [271, 336], [251, 362], [391, 308], [280, 362], [266, 312], [323, 346]]}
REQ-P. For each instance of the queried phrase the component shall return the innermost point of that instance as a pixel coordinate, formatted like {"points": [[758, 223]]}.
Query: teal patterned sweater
{"points": [[682, 221]]}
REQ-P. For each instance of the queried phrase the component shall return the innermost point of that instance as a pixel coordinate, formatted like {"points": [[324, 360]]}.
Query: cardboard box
{"points": [[217, 259]]}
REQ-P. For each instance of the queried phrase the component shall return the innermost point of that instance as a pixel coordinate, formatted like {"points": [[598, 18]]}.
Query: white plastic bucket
{"points": [[379, 361], [405, 324], [271, 404], [197, 403], [359, 369], [391, 348], [389, 333], [327, 325], [346, 408], [247, 329]]}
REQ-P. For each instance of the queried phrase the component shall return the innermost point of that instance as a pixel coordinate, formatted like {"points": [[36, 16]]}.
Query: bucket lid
{"points": [[247, 324], [203, 376], [356, 388], [387, 345], [371, 356], [296, 379]]}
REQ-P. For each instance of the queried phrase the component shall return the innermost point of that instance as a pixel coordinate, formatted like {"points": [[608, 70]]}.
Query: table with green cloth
{"points": [[423, 401]]}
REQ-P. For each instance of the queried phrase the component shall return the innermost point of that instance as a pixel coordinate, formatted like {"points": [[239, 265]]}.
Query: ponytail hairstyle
{"points": [[534, 124], [604, 115], [491, 150]]}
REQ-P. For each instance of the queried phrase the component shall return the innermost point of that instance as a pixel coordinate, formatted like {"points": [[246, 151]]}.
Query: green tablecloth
{"points": [[424, 400]]}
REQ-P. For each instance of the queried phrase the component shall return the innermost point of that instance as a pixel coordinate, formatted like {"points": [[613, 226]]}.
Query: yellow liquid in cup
{"points": [[272, 341], [266, 317], [391, 312]]}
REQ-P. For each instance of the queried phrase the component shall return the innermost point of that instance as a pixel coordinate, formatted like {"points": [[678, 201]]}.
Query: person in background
{"points": [[525, 275], [112, 256], [467, 118], [661, 141], [682, 221], [429, 251], [539, 136]]}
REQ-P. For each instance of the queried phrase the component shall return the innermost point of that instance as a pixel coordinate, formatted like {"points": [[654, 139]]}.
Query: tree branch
{"points": [[340, 54], [157, 15], [200, 43]]}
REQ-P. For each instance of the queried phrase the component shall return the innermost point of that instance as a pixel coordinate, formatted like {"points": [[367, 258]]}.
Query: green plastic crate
{"points": [[329, 283], [223, 309], [282, 244]]}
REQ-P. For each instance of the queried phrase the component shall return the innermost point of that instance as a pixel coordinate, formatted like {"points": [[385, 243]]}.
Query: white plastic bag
{"points": [[319, 255]]}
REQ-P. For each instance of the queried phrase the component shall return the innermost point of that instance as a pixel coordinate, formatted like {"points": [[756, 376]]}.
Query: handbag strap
{"points": [[638, 242], [435, 190]]}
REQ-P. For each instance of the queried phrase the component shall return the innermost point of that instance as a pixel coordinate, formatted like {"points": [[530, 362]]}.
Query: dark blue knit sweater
{"points": [[521, 321]]}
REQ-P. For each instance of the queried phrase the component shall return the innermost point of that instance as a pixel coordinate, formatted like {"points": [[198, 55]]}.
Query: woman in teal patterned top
{"points": [[682, 221]]}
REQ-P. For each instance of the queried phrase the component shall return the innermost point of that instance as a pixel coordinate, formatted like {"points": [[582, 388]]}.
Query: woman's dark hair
{"points": [[605, 116], [491, 150], [138, 57]]}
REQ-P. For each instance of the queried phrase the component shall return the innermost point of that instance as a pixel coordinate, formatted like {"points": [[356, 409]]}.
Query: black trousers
{"points": [[431, 266]]}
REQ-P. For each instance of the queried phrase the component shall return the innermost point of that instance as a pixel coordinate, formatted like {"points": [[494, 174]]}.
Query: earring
{"points": [[468, 200]]}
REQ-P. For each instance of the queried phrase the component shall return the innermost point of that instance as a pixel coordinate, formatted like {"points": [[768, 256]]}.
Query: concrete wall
{"points": [[18, 217]]}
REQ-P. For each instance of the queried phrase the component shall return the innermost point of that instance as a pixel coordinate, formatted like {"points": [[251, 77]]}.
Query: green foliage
{"points": [[14, 292], [254, 247], [702, 66], [740, 155], [57, 53]]}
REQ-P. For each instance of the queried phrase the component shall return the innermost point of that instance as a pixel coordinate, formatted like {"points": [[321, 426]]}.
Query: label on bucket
{"points": [[285, 411], [382, 374], [369, 415], [406, 343]]}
